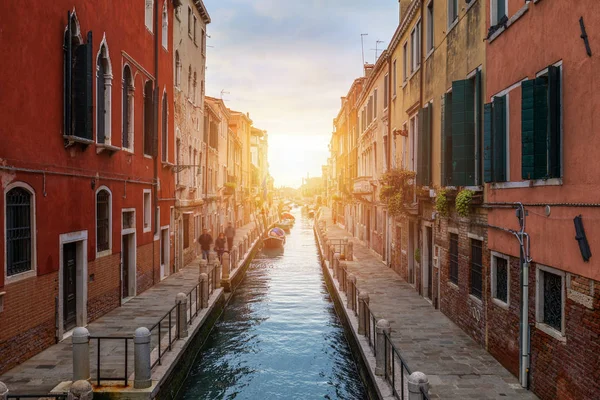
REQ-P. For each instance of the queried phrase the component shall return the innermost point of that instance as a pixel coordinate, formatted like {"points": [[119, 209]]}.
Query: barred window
{"points": [[476, 268], [552, 300], [18, 231], [500, 278], [102, 220], [454, 258]]}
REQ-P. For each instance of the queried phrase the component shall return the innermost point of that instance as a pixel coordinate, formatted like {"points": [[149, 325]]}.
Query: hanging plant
{"points": [[418, 255], [463, 202], [441, 203], [396, 204], [395, 186]]}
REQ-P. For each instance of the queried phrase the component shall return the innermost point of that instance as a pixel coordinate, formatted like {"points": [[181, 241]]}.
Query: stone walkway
{"points": [[47, 369], [457, 367]]}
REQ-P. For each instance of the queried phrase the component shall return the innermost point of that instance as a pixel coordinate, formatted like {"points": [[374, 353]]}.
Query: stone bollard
{"points": [[226, 266], [182, 326], [341, 277], [80, 390], [350, 250], [351, 285], [204, 285], [141, 355], [212, 255], [81, 354], [216, 274], [416, 381], [203, 267], [363, 313], [3, 391], [331, 254], [327, 249], [241, 250], [381, 329], [336, 265]]}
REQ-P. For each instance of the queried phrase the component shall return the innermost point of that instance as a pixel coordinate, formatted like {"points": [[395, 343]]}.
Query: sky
{"points": [[287, 63]]}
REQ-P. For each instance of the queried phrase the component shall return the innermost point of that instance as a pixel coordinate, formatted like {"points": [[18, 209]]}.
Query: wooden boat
{"points": [[285, 224], [275, 238], [289, 217]]}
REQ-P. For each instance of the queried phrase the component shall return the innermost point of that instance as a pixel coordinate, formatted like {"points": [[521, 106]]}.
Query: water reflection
{"points": [[279, 337]]}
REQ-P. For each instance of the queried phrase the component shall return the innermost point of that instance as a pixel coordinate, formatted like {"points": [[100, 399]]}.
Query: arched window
{"points": [[164, 136], [20, 230], [127, 133], [103, 220], [177, 69], [165, 26], [148, 119], [149, 14], [189, 88], [194, 89], [103, 95]]}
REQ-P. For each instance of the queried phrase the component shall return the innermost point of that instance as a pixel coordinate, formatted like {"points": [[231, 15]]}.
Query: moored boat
{"points": [[289, 217], [285, 224], [275, 238]]}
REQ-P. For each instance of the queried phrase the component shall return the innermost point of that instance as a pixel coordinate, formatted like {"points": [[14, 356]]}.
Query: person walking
{"points": [[205, 241], [230, 234], [220, 245]]}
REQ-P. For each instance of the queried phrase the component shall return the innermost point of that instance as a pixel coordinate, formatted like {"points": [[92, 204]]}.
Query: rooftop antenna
{"points": [[377, 48], [223, 92], [363, 46]]}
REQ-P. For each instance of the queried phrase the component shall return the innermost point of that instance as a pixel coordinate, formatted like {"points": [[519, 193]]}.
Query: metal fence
{"points": [[114, 348], [396, 369], [339, 246], [165, 328]]}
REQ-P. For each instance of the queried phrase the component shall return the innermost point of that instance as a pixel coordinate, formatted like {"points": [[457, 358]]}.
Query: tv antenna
{"points": [[377, 48], [223, 92], [362, 35]]}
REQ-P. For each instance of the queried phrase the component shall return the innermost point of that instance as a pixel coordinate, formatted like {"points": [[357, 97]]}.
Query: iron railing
{"points": [[49, 396], [339, 246], [396, 370], [370, 323], [194, 300], [99, 376], [169, 317]]}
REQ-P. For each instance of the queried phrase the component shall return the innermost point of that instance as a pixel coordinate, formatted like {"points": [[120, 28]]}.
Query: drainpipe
{"points": [[155, 128]]}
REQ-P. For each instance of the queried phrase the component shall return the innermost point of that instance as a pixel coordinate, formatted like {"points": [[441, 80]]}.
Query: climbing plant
{"points": [[463, 202], [396, 186], [441, 203], [418, 255]]}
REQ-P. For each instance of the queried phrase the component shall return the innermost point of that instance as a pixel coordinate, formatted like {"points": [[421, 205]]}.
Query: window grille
{"points": [[18, 231]]}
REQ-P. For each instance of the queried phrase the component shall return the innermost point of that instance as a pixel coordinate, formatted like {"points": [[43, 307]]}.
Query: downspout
{"points": [[155, 128]]}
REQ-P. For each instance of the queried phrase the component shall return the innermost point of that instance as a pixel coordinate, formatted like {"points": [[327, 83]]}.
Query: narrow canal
{"points": [[279, 337]]}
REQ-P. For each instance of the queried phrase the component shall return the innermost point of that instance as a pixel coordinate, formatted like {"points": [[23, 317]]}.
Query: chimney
{"points": [[368, 69]]}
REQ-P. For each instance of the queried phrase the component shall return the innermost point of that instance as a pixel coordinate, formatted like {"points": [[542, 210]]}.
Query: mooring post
{"points": [[341, 277], [3, 391], [336, 264], [181, 301], [80, 390], [363, 313], [218, 272], [350, 250], [331, 254], [203, 266], [226, 266], [351, 285], [141, 355], [381, 329], [212, 255], [81, 354], [417, 381], [204, 285]]}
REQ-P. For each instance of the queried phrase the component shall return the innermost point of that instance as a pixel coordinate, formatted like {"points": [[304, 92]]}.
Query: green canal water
{"points": [[279, 336]]}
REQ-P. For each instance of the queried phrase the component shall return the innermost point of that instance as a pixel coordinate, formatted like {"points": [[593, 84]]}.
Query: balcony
{"points": [[363, 185]]}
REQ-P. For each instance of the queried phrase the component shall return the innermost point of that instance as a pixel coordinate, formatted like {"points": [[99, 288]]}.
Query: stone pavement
{"points": [[44, 371], [457, 367]]}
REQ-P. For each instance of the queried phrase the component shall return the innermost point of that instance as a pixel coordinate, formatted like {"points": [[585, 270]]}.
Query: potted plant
{"points": [[463, 202]]}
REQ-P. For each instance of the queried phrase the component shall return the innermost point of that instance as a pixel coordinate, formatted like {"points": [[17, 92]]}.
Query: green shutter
{"points": [[478, 130], [463, 133], [554, 117], [488, 149], [500, 10], [420, 143], [499, 139], [446, 151], [82, 89], [534, 128], [527, 129], [424, 161]]}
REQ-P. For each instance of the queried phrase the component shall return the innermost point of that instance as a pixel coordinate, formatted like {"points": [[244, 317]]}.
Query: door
{"points": [[125, 268], [429, 261], [70, 286], [164, 253], [411, 252]]}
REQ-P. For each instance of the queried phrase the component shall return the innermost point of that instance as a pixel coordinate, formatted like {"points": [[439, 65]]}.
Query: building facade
{"points": [[86, 201]]}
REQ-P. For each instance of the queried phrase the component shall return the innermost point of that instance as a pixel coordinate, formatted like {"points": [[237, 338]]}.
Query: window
{"points": [[165, 27], [413, 39], [476, 268], [500, 277], [156, 221], [424, 135], [20, 230], [190, 174], [203, 42], [178, 160], [430, 26], [453, 273], [172, 220], [498, 9], [413, 138], [375, 103], [127, 132], [103, 220], [147, 211], [177, 69], [103, 95], [78, 79], [186, 231], [495, 138], [165, 123], [149, 14], [386, 90], [541, 125], [452, 11], [194, 89], [194, 32], [193, 169], [189, 88], [405, 61], [128, 219], [415, 43], [394, 79], [190, 21], [148, 119], [550, 308]]}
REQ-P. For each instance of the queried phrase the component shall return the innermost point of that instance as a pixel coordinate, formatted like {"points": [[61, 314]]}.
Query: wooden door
{"points": [[69, 286]]}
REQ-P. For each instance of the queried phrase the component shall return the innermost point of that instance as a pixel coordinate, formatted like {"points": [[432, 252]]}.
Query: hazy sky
{"points": [[288, 62]]}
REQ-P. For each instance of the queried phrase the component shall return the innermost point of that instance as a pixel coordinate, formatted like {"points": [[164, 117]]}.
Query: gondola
{"points": [[275, 238]]}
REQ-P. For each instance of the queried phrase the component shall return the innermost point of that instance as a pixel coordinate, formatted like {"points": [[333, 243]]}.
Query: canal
{"points": [[279, 337]]}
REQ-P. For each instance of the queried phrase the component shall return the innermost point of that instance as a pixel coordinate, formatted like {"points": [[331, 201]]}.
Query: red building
{"points": [[86, 161], [541, 137]]}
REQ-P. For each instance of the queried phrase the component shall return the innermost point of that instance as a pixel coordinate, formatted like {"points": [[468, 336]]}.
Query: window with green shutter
{"points": [[424, 147], [541, 126], [463, 133], [446, 153], [494, 140]]}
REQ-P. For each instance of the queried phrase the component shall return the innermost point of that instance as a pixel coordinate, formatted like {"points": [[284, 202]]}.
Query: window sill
{"points": [[475, 299], [404, 83], [168, 165], [500, 303], [103, 253], [429, 53], [72, 139], [147, 156], [20, 277], [474, 188], [551, 332], [452, 25], [147, 229], [126, 150], [452, 285], [470, 5], [394, 97], [526, 184], [100, 147], [414, 72], [511, 21]]}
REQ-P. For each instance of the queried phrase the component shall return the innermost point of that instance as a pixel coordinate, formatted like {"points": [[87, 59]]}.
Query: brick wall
{"points": [[145, 275], [104, 292]]}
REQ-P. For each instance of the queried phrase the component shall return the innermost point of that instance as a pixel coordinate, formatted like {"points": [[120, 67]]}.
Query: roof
{"points": [[202, 10]]}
